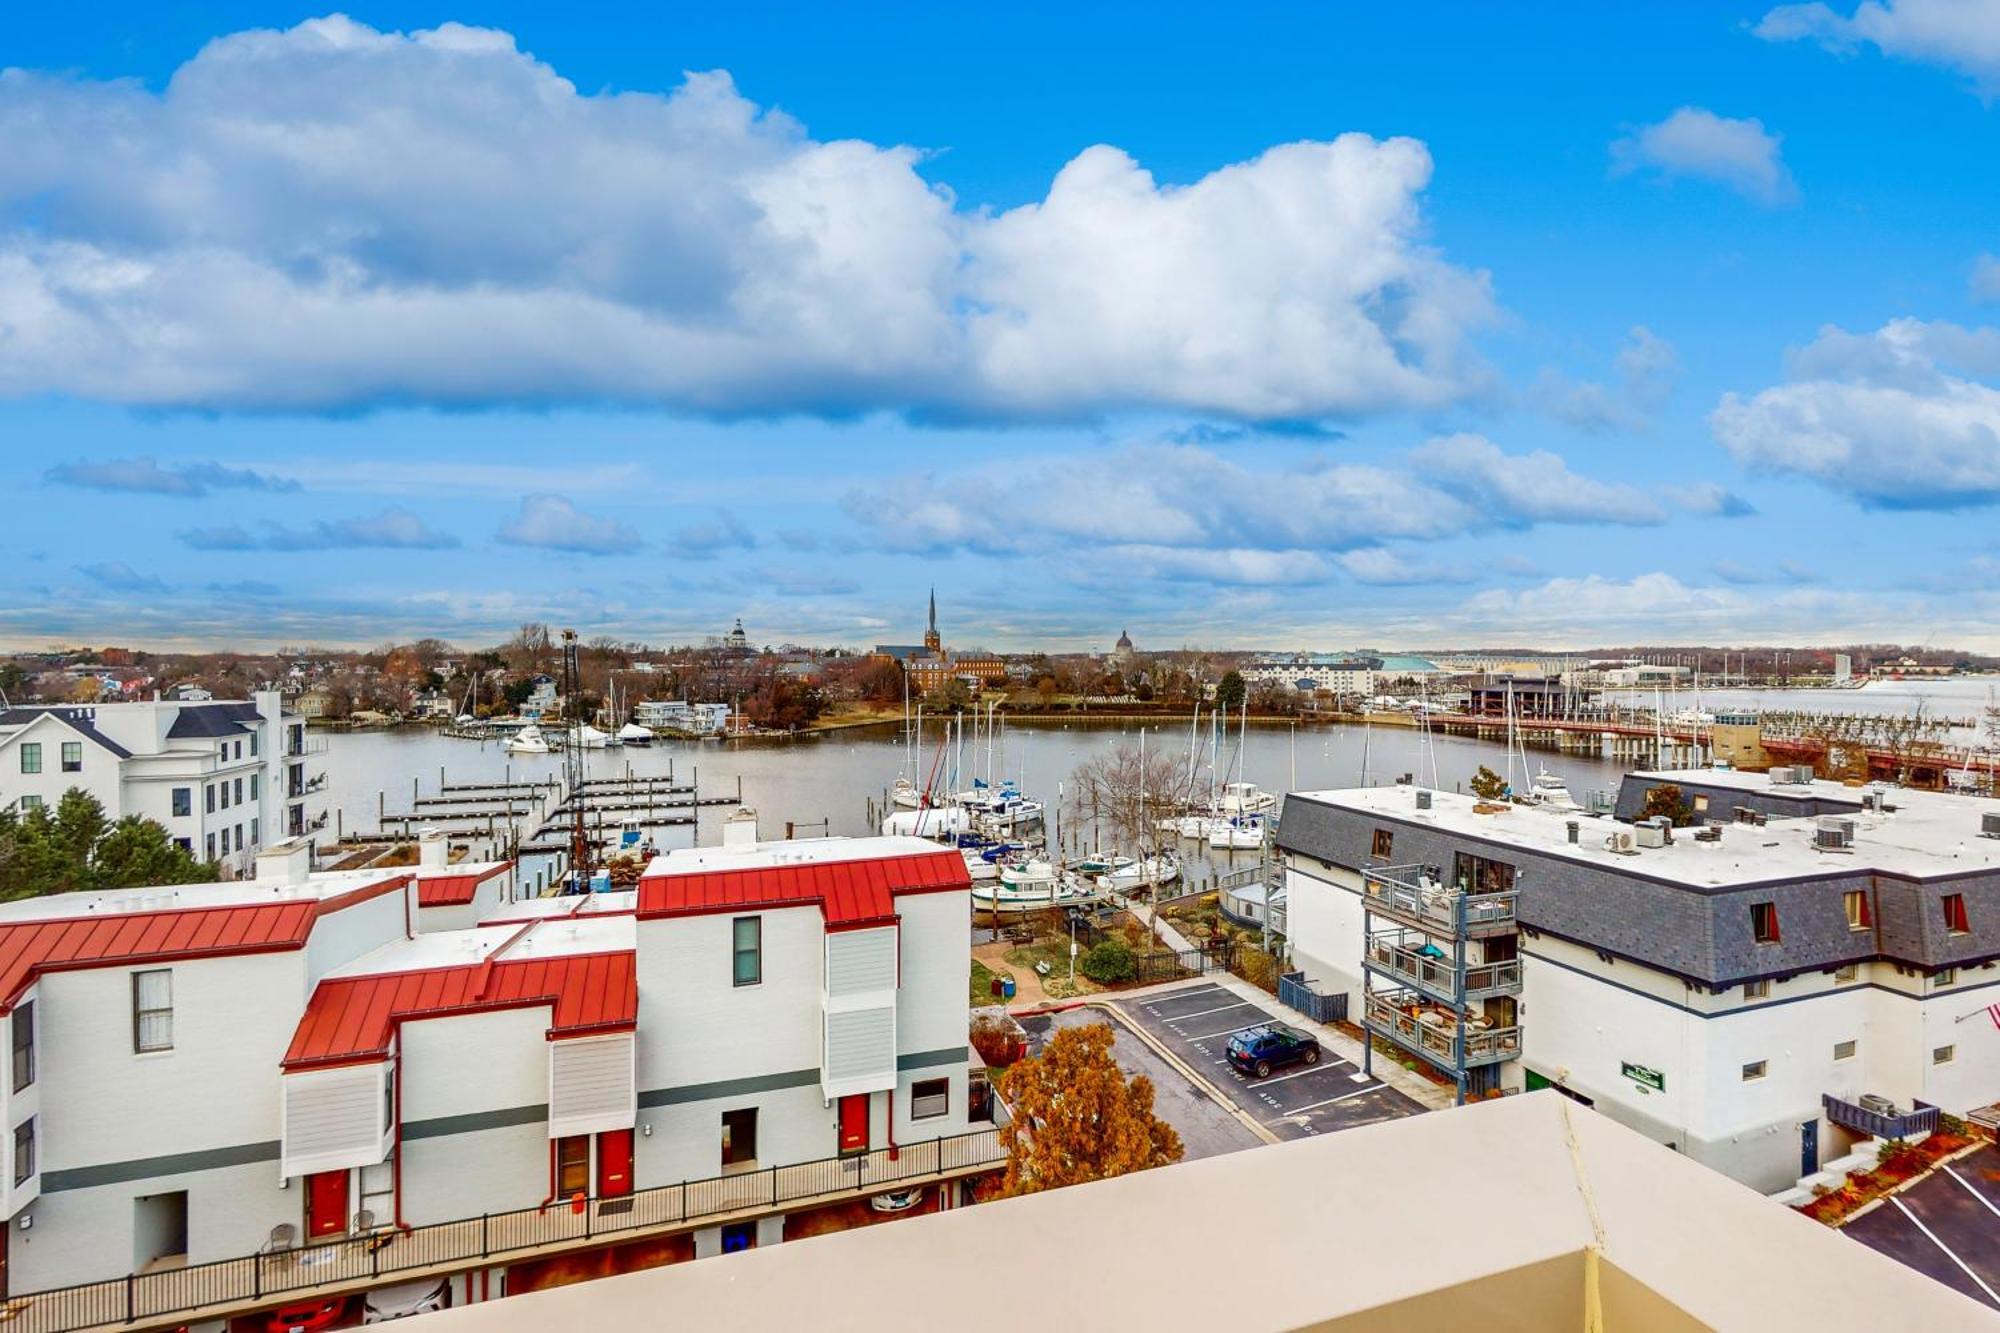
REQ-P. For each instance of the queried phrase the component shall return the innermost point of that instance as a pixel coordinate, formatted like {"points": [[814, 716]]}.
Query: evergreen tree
{"points": [[78, 848]]}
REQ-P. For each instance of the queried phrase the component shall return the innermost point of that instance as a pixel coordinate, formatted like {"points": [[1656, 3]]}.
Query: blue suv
{"points": [[1270, 1046]]}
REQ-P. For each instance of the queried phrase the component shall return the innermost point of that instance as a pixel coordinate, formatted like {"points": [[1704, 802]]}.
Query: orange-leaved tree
{"points": [[1078, 1118]]}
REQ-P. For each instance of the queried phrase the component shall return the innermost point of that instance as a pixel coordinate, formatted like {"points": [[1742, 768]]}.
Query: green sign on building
{"points": [[1644, 1077]]}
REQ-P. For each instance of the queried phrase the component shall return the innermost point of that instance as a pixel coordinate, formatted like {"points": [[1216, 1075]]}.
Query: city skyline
{"points": [[1577, 330]]}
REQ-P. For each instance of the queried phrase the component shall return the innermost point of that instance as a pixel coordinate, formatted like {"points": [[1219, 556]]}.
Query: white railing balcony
{"points": [[1406, 894]]}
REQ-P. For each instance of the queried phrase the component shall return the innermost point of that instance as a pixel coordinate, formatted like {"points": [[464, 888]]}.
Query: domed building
{"points": [[1124, 654]]}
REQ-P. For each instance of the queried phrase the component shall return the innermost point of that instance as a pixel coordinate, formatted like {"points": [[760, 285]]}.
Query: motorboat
{"points": [[984, 856], [1240, 831], [634, 734], [1149, 872], [587, 737], [1034, 885], [1000, 809], [1550, 792], [528, 740], [1246, 798]]}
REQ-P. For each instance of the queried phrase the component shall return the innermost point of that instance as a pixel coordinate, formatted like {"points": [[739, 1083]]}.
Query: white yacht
{"points": [[528, 740], [1550, 792], [1238, 831], [1246, 798], [634, 734], [1035, 885], [1125, 873], [939, 822], [589, 737]]}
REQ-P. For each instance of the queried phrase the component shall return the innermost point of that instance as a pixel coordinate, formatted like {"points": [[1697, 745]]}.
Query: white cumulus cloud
{"points": [[555, 524], [1694, 141], [1959, 34], [1903, 417], [334, 217]]}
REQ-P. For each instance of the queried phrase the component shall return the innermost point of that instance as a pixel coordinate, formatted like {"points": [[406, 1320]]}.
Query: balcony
{"points": [[302, 746], [1405, 894], [230, 1287], [1438, 1039], [1916, 1124], [1408, 956]]}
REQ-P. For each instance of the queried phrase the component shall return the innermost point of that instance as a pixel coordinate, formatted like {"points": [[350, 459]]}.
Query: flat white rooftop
{"points": [[786, 852], [510, 942], [188, 897], [578, 905], [1930, 833]]}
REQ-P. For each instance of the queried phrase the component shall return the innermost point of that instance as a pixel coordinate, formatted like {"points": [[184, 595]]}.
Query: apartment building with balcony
{"points": [[228, 1098], [1803, 964], [223, 778]]}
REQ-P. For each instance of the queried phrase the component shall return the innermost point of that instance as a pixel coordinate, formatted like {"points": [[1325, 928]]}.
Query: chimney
{"points": [[287, 862], [433, 848], [740, 829]]}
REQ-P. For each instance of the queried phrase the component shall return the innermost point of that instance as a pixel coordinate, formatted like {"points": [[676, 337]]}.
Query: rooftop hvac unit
{"points": [[1651, 834], [1781, 777], [1713, 833], [1989, 826], [1622, 841], [1880, 1105], [1574, 827], [1833, 835], [1745, 815], [1405, 779], [1423, 799]]}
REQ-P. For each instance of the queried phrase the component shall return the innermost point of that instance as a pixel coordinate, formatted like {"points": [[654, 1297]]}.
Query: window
{"points": [[1383, 845], [208, 793], [1843, 975], [1701, 803], [254, 842], [72, 756], [930, 1098], [749, 944], [24, 1151], [1954, 914], [183, 801], [185, 844], [1756, 990], [573, 1165], [31, 802], [1844, 1050], [1753, 1071], [739, 1136], [24, 1045], [1945, 976], [224, 786], [1764, 922], [239, 791], [254, 788], [1944, 1055], [1856, 902], [31, 757], [153, 1010], [253, 745], [211, 847], [1476, 874]]}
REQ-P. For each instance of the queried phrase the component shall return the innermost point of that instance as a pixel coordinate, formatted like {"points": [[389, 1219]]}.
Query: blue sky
{"points": [[1265, 326]]}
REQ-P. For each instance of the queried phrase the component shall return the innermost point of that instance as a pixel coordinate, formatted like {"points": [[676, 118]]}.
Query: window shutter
{"points": [[591, 1085], [333, 1119], [859, 1042]]}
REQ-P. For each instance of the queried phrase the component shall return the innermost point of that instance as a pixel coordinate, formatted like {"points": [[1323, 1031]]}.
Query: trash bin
{"points": [[1006, 988], [994, 986]]}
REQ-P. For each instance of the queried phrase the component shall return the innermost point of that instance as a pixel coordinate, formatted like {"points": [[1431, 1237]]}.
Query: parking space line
{"points": [[1206, 1035], [1200, 1013], [1990, 1207], [1309, 1069], [1328, 1102], [1963, 1267]]}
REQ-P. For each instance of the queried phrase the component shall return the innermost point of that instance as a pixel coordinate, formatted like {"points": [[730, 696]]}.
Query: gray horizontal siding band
{"points": [[730, 1087], [1746, 1008], [949, 1055], [476, 1121], [147, 1168]]}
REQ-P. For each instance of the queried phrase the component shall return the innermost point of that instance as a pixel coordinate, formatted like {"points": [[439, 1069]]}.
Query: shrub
{"points": [[1108, 963]]}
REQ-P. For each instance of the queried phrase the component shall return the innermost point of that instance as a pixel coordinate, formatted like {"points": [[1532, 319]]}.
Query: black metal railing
{"points": [[355, 1262]]}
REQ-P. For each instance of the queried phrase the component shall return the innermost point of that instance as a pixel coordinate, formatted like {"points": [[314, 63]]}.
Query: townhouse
{"points": [[233, 1097], [223, 778], [1802, 964]]}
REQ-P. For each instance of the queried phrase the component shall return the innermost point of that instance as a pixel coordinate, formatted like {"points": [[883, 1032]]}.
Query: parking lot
{"points": [[1947, 1225], [1293, 1103]]}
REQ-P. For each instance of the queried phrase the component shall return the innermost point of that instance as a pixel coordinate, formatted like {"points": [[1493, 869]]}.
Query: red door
{"points": [[854, 1123], [326, 1204], [614, 1163]]}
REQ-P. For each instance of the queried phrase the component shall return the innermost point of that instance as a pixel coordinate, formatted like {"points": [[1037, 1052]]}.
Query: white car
{"points": [[405, 1299]]}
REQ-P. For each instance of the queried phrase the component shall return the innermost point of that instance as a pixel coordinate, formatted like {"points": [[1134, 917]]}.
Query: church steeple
{"points": [[932, 640]]}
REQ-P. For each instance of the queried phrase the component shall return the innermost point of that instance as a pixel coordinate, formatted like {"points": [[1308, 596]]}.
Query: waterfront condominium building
{"points": [[1801, 964], [223, 778], [324, 1092]]}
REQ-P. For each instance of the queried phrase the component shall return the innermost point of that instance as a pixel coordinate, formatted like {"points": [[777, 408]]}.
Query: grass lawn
{"points": [[981, 991], [1055, 952]]}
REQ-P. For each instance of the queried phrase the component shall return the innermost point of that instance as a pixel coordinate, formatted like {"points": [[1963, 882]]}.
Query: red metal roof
{"points": [[849, 893], [350, 1020], [455, 890], [30, 948]]}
